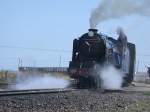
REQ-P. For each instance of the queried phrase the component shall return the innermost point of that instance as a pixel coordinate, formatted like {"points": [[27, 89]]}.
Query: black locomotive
{"points": [[93, 48]]}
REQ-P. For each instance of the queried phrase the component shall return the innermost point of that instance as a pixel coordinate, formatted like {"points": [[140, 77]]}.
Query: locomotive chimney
{"points": [[93, 30]]}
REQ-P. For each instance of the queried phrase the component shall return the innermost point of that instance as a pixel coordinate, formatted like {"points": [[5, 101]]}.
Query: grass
{"points": [[140, 106], [146, 93], [6, 76]]}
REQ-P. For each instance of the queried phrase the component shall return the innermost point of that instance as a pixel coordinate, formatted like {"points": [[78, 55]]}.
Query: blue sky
{"points": [[53, 24]]}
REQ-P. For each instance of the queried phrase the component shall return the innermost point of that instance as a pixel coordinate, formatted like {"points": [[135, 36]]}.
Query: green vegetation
{"points": [[146, 93], [140, 106], [7, 76]]}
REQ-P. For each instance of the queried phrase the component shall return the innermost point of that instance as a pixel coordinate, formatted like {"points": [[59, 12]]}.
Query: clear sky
{"points": [[52, 25]]}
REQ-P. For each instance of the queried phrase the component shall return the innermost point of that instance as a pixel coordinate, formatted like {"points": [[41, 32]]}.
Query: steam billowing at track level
{"points": [[113, 9], [111, 78], [39, 82]]}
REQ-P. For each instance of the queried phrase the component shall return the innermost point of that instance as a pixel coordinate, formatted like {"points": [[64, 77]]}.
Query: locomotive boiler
{"points": [[94, 48]]}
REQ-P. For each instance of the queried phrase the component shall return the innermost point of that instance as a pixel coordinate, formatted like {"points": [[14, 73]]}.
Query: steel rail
{"points": [[33, 91]]}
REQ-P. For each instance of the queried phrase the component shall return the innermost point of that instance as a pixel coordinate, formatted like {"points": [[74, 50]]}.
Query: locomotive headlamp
{"points": [[90, 33]]}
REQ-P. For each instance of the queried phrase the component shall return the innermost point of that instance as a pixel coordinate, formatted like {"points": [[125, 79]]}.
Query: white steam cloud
{"points": [[41, 82], [109, 9], [111, 78]]}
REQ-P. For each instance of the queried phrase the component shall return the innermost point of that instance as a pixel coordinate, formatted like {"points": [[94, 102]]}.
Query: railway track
{"points": [[137, 88], [33, 91]]}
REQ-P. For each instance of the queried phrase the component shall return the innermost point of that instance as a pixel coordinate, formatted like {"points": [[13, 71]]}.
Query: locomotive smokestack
{"points": [[93, 30]]}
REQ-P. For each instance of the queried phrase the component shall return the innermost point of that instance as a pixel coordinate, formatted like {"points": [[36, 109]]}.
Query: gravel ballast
{"points": [[77, 101]]}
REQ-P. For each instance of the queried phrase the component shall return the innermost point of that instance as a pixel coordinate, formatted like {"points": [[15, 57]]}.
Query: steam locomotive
{"points": [[93, 49]]}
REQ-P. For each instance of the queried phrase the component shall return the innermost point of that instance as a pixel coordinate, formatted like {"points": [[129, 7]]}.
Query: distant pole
{"points": [[19, 62], [60, 61], [34, 63], [137, 66]]}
